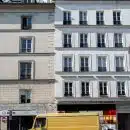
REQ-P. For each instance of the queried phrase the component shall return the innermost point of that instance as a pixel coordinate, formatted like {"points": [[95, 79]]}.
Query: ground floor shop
{"points": [[123, 111], [20, 122]]}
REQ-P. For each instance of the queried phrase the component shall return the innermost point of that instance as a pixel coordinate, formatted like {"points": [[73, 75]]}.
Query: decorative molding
{"points": [[31, 30], [92, 49], [28, 54], [32, 81]]}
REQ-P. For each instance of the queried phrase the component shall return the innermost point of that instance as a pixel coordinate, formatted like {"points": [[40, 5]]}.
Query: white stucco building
{"points": [[27, 62], [92, 40]]}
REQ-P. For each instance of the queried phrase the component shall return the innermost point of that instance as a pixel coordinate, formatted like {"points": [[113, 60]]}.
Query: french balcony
{"points": [[67, 22]]}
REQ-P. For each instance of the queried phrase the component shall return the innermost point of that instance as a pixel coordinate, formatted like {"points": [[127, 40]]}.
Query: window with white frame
{"points": [[83, 17], [99, 17], [25, 96], [83, 40], [26, 45], [100, 40], [102, 64], [67, 64], [68, 89], [121, 88], [67, 41], [84, 88], [116, 17], [84, 65], [66, 17], [25, 70], [103, 88], [119, 63], [118, 40]]}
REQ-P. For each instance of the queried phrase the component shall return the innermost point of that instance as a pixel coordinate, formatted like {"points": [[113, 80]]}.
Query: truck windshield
{"points": [[40, 122]]}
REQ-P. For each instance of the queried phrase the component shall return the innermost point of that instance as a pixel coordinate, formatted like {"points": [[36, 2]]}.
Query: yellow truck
{"points": [[67, 121]]}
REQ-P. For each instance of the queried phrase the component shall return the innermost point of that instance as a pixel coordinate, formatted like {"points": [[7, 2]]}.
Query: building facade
{"points": [[92, 56], [27, 63]]}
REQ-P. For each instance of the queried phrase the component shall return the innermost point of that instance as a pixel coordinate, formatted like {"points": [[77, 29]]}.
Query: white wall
{"points": [[91, 8], [43, 66], [43, 42], [10, 20]]}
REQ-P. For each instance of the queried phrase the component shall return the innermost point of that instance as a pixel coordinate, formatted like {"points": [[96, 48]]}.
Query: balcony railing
{"points": [[83, 22], [66, 94], [121, 93], [67, 45], [118, 45], [102, 69], [117, 22], [100, 22], [66, 22], [119, 69], [84, 69], [83, 94], [67, 69], [83, 45]]}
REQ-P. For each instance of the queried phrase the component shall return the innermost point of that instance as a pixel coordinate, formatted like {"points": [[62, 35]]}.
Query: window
{"points": [[67, 64], [99, 17], [116, 18], [26, 45], [67, 18], [27, 1], [121, 88], [119, 63], [103, 88], [84, 88], [83, 18], [102, 64], [118, 40], [67, 41], [68, 89], [25, 96], [84, 64], [26, 22], [83, 40], [25, 70], [100, 40]]}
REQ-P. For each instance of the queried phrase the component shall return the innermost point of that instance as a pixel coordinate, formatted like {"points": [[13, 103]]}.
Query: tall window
{"points": [[25, 96], [99, 17], [67, 41], [66, 18], [83, 17], [119, 63], [26, 22], [103, 88], [121, 88], [25, 70], [84, 88], [83, 40], [100, 40], [67, 64], [116, 18], [68, 89], [102, 64], [26, 45], [84, 64], [118, 40]]}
